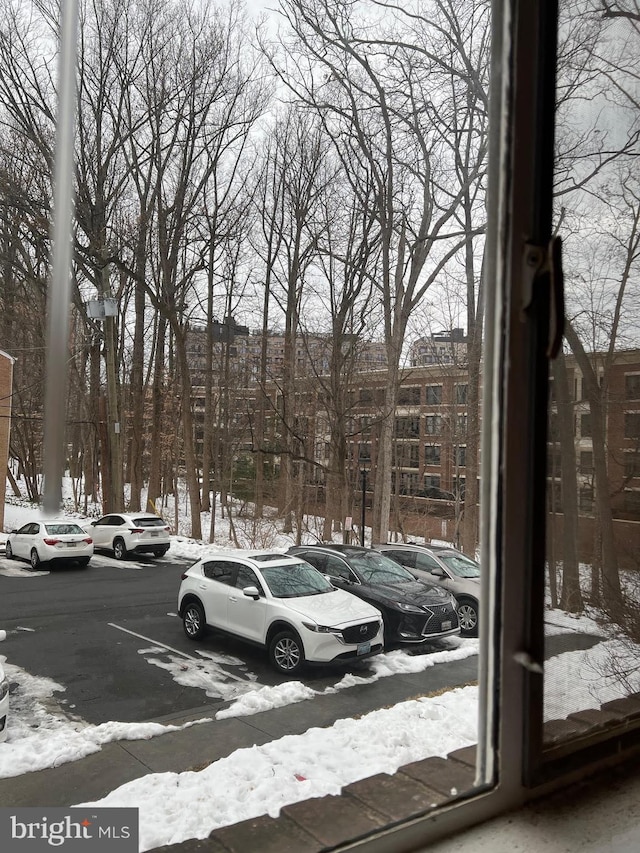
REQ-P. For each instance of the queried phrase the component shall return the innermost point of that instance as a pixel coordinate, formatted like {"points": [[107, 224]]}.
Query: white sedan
{"points": [[4, 697], [281, 603], [50, 541]]}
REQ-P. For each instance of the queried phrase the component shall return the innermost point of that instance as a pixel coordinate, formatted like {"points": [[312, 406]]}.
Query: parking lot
{"points": [[111, 637]]}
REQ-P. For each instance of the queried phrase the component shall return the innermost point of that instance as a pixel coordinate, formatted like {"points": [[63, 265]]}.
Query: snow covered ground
{"points": [[176, 806]]}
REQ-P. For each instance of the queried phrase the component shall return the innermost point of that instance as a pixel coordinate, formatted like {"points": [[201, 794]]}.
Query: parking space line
{"points": [[154, 642]]}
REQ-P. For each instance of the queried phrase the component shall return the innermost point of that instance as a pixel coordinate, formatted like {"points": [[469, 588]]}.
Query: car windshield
{"points": [[376, 568], [461, 566], [148, 522], [294, 580], [61, 529]]}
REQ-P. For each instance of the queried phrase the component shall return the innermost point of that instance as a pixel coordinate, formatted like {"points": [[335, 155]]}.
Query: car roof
{"points": [[136, 514], [333, 546], [436, 549], [258, 557]]}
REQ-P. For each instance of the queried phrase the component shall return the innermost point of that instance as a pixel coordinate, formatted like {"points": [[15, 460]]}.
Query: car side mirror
{"points": [[14, 530], [438, 571], [251, 592]]}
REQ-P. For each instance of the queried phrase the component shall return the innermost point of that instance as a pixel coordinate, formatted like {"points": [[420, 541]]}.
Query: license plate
{"points": [[446, 626], [155, 533], [364, 648], [71, 544]]}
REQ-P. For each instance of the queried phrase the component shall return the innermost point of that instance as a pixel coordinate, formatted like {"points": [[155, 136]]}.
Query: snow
{"points": [[262, 779]]}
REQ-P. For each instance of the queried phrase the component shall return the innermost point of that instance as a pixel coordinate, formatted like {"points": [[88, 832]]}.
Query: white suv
{"points": [[133, 533], [281, 603]]}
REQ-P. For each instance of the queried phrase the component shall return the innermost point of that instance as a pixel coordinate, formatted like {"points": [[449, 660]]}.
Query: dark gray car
{"points": [[448, 568], [413, 611]]}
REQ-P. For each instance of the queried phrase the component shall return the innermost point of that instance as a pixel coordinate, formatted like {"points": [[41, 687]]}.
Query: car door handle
{"points": [[202, 586]]}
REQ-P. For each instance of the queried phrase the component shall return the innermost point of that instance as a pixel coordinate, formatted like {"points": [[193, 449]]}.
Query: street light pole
{"points": [[60, 283]]}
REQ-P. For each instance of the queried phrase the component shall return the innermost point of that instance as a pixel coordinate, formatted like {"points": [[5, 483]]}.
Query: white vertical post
{"points": [[60, 281]]}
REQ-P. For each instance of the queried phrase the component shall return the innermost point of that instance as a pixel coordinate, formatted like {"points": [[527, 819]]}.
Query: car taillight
{"points": [[137, 530], [88, 540], [51, 541]]}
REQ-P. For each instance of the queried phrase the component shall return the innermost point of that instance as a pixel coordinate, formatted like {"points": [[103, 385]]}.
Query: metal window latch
{"points": [[543, 265], [525, 660]]}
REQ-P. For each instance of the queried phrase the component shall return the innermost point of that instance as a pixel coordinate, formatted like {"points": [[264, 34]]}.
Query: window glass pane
{"points": [[593, 545]]}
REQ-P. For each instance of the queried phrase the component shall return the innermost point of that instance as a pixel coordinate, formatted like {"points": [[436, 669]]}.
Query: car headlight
{"points": [[409, 608], [320, 629], [4, 688]]}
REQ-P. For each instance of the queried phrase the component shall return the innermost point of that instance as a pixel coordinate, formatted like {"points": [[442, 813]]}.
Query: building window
{"points": [[407, 427], [585, 425], [461, 395], [459, 487], [586, 462], [632, 502], [461, 456], [432, 454], [586, 499], [409, 396], [632, 425], [631, 465], [431, 485], [408, 483], [433, 424], [632, 386], [433, 395], [406, 455]]}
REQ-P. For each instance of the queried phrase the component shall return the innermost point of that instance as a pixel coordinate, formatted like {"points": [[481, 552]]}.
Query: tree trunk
{"points": [[571, 597]]}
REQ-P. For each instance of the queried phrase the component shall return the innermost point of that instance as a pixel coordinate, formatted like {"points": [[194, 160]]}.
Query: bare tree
{"points": [[390, 126]]}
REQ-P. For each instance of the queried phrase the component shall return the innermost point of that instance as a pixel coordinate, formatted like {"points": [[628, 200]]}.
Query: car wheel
{"points": [[159, 552], [35, 559], [119, 549], [8, 551], [468, 617], [286, 652], [193, 620]]}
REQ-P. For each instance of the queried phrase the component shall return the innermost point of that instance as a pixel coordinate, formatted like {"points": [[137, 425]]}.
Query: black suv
{"points": [[413, 611]]}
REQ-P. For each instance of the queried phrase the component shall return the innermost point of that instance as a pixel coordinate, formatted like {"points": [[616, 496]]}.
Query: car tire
{"points": [[193, 620], [468, 617], [119, 549], [8, 551], [160, 552], [286, 653], [34, 559]]}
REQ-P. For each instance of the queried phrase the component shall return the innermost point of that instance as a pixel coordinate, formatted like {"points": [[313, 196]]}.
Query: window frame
{"points": [[510, 759]]}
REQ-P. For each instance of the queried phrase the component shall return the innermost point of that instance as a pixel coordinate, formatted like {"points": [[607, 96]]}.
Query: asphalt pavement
{"points": [[193, 748], [91, 778]]}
